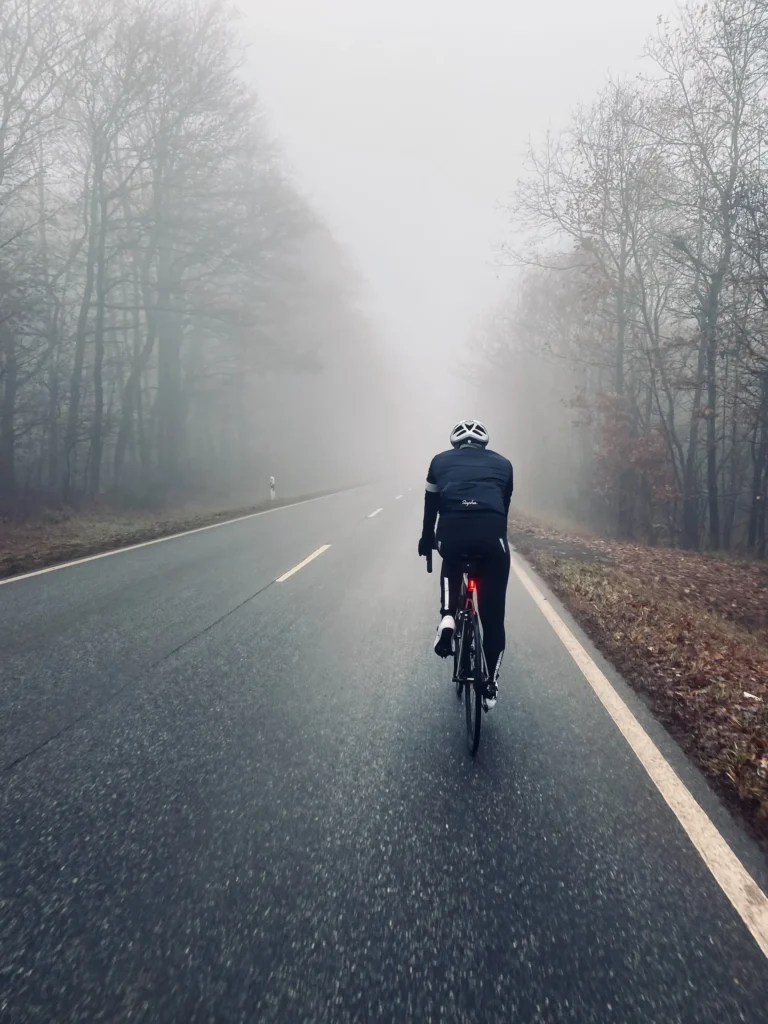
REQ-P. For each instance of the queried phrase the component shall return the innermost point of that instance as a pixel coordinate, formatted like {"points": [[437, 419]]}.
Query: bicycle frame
{"points": [[468, 611]]}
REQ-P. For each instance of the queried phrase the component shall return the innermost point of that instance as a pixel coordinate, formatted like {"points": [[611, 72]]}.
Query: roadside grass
{"points": [[689, 632], [63, 536]]}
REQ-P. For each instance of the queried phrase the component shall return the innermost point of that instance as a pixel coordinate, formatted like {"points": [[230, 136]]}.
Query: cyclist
{"points": [[470, 487]]}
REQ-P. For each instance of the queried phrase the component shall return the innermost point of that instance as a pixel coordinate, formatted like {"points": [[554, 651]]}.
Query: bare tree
{"points": [[652, 203], [156, 264]]}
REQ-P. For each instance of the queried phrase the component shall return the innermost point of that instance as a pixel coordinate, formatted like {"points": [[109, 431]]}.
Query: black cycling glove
{"points": [[426, 544]]}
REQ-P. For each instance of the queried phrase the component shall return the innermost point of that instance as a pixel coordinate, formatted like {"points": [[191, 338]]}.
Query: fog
{"points": [[406, 124], [557, 211], [302, 239]]}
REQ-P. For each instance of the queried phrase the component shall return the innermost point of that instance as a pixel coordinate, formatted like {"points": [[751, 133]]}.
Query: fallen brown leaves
{"points": [[690, 632]]}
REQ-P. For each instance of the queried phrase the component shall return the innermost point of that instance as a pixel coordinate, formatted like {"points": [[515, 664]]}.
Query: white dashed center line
{"points": [[398, 497], [310, 558], [375, 513]]}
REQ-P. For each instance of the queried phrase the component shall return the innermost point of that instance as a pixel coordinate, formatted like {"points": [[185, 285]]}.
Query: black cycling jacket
{"points": [[467, 482]]}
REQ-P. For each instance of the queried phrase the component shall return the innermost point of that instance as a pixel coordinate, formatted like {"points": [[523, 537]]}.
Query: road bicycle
{"points": [[470, 670]]}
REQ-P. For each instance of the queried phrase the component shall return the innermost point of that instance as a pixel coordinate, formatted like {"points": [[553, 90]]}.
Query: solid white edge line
{"points": [[161, 540], [748, 899], [375, 513], [307, 560]]}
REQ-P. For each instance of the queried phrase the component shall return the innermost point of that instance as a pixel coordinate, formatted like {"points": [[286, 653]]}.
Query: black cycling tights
{"points": [[491, 552]]}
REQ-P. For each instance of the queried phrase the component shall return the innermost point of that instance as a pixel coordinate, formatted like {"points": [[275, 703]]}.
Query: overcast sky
{"points": [[405, 121]]}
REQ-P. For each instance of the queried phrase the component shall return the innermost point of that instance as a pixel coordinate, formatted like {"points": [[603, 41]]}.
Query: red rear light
{"points": [[472, 585]]}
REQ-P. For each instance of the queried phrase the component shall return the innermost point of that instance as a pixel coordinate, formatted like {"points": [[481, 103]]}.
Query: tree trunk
{"points": [[97, 424], [762, 515], [73, 415], [625, 481], [759, 461], [757, 486], [52, 472], [145, 454], [131, 399], [169, 397], [735, 474], [8, 414], [690, 537], [51, 475], [712, 484]]}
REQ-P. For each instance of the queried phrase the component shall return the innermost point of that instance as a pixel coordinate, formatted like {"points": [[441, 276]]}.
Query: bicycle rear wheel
{"points": [[458, 640], [473, 701]]}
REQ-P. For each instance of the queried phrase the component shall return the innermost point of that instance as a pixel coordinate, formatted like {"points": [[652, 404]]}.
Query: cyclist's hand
{"points": [[426, 544]]}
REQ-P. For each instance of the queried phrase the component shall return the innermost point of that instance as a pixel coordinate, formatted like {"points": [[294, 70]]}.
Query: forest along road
{"points": [[231, 799]]}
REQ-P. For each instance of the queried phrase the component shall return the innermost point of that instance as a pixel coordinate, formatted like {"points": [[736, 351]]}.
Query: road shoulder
{"points": [[686, 633]]}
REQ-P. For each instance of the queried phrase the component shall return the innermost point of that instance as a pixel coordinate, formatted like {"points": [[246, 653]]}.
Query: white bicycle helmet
{"points": [[469, 432]]}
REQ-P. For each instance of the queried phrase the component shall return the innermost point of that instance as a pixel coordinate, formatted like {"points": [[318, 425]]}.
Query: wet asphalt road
{"points": [[229, 800]]}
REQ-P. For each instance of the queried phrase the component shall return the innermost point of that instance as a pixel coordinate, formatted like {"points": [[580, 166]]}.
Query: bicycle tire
{"points": [[457, 645], [473, 700]]}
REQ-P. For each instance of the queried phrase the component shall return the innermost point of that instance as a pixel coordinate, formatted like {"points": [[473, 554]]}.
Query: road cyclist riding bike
{"points": [[470, 487]]}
